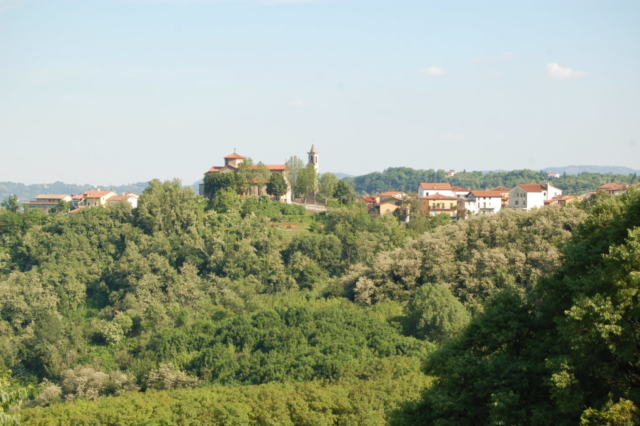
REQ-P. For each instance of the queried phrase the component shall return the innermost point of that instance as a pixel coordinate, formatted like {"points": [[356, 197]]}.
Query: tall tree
{"points": [[244, 176], [306, 183], [343, 192], [295, 164], [215, 182], [328, 182]]}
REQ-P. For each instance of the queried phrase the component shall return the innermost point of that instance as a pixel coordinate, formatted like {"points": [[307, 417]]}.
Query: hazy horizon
{"points": [[116, 91]]}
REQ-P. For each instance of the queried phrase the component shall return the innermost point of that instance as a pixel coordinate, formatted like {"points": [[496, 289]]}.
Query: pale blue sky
{"points": [[118, 91]]}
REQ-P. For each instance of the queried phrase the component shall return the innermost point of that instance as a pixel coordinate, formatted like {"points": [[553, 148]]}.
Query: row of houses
{"points": [[437, 198], [46, 202]]}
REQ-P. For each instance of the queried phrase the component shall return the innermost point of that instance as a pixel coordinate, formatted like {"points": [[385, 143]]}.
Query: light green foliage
{"points": [[307, 182], [327, 185], [366, 401], [11, 397], [214, 183], [294, 164]]}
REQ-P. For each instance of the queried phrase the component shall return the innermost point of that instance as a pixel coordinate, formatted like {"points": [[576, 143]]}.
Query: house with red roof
{"points": [[613, 188], [428, 189], [530, 196], [96, 198]]}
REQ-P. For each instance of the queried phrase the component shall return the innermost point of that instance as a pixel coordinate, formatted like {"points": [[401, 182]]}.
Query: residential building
{"points": [[460, 192], [451, 173], [504, 191], [483, 202], [563, 200], [46, 202], [388, 205], [128, 197], [553, 175], [432, 205], [369, 201], [613, 188], [96, 198], [428, 189], [530, 196]]}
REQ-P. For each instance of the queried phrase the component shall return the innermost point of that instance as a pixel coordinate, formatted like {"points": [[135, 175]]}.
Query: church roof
{"points": [[313, 149], [234, 156]]}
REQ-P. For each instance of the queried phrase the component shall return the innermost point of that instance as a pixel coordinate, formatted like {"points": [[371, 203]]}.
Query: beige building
{"points": [[128, 197], [438, 203], [96, 198], [46, 202]]}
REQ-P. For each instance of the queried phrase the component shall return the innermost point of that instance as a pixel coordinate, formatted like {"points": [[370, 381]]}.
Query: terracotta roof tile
{"points": [[52, 196], [97, 194], [491, 194], [234, 156], [436, 186], [533, 187]]}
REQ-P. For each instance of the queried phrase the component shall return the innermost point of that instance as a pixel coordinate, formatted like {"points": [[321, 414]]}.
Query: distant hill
{"points": [[576, 170], [28, 192]]}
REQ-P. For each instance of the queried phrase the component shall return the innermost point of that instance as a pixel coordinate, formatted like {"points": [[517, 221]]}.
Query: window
{"points": [[516, 202]]}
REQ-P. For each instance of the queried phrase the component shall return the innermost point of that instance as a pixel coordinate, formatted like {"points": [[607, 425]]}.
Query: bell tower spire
{"points": [[314, 157]]}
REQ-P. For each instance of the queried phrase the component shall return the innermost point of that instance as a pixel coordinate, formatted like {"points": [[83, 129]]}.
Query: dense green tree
{"points": [[433, 313], [343, 192], [277, 186], [327, 184], [216, 182], [306, 183]]}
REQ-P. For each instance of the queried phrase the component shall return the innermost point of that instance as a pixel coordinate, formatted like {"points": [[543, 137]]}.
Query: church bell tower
{"points": [[314, 158]]}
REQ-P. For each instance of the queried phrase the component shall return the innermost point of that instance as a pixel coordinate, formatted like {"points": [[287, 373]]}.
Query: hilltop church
{"points": [[232, 163]]}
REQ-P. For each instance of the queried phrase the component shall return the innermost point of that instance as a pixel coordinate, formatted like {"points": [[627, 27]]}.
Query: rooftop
{"points": [[437, 186]]}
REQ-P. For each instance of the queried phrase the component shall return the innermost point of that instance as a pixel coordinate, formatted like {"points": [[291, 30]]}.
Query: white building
{"points": [[429, 189], [531, 196], [129, 197], [483, 202]]}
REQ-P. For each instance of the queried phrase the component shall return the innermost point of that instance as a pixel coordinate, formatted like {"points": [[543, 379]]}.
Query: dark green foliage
{"points": [[277, 187], [569, 356], [343, 192], [216, 182]]}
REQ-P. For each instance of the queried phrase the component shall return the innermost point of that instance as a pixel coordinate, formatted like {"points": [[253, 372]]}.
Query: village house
{"points": [[504, 192], [460, 192], [613, 188], [383, 203], [437, 203], [46, 202], [428, 189], [96, 198], [563, 200], [553, 175], [128, 197], [483, 202], [530, 196]]}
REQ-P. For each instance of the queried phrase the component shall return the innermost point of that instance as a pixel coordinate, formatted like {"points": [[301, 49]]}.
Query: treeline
{"points": [[407, 179], [184, 292]]}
